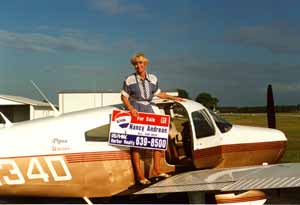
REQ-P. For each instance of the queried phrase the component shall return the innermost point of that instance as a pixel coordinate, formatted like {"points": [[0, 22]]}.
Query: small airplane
{"points": [[68, 155]]}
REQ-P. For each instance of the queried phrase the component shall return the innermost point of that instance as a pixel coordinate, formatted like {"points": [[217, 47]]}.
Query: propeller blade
{"points": [[270, 108]]}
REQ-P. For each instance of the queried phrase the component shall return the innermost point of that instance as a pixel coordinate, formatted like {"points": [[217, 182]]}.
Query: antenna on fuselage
{"points": [[56, 112], [6, 120]]}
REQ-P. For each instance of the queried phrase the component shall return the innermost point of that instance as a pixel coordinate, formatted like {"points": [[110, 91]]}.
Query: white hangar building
{"points": [[17, 108], [70, 101]]}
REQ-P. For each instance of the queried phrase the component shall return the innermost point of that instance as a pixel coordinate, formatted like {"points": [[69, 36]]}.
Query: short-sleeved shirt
{"points": [[140, 92]]}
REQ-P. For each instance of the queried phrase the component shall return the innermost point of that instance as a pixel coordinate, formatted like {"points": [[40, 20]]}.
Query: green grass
{"points": [[289, 123]]}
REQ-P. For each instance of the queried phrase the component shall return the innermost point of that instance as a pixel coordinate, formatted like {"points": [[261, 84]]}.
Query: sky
{"points": [[231, 49]]}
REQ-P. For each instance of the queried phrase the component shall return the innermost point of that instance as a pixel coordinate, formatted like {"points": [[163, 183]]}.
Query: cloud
{"points": [[294, 87], [113, 7], [202, 68], [40, 42], [80, 70], [277, 37], [233, 82]]}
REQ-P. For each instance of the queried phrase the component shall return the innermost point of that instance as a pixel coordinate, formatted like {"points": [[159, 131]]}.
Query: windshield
{"points": [[202, 123], [222, 124]]}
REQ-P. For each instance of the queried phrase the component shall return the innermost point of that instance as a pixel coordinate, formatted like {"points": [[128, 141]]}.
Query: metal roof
{"points": [[100, 91], [24, 100], [90, 91]]}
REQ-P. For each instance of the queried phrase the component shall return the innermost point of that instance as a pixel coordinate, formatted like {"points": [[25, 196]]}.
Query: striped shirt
{"points": [[140, 92]]}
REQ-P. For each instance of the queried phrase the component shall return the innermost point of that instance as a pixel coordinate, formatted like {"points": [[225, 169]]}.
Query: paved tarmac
{"points": [[284, 196]]}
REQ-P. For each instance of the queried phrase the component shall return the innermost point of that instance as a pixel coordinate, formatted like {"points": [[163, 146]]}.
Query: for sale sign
{"points": [[148, 130]]}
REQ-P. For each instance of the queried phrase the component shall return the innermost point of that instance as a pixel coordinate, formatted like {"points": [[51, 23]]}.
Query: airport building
{"points": [[17, 108], [70, 101]]}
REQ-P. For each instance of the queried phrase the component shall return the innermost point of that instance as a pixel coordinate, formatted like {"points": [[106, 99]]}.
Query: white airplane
{"points": [[69, 156]]}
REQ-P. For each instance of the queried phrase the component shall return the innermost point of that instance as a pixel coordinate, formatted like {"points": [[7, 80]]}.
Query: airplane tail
{"points": [[270, 108]]}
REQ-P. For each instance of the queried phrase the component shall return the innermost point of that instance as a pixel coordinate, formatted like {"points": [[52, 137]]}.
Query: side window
{"points": [[98, 134], [203, 125]]}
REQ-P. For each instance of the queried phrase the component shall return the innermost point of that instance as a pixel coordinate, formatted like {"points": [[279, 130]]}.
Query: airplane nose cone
{"points": [[257, 134], [255, 145], [280, 135]]}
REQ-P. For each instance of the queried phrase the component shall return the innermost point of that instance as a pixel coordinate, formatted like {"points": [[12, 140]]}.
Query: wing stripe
{"points": [[265, 182], [280, 181], [259, 182], [248, 183], [272, 183], [298, 183], [284, 184], [238, 183], [295, 182], [279, 184], [268, 182], [254, 181], [231, 179], [182, 188]]}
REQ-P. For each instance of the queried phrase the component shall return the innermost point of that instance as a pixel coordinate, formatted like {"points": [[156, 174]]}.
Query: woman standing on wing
{"points": [[138, 90]]}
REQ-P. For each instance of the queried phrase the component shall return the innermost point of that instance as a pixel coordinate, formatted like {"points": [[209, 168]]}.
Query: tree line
{"points": [[204, 98], [211, 102], [260, 109]]}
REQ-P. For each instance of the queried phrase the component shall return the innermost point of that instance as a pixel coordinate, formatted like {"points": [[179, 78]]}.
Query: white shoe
{"points": [[144, 181], [164, 175]]}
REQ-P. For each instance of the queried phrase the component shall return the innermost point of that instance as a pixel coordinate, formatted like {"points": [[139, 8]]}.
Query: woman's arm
{"points": [[164, 95]]}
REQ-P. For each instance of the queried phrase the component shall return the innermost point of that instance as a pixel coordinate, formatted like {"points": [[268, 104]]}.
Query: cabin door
{"points": [[205, 138]]}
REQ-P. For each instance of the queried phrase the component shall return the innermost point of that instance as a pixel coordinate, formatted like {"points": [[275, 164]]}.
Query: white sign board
{"points": [[148, 130]]}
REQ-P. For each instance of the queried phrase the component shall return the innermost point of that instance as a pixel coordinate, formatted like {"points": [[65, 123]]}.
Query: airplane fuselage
{"points": [[69, 156]]}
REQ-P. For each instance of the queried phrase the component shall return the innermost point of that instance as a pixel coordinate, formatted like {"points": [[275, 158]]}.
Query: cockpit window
{"points": [[202, 123], [222, 124], [98, 134]]}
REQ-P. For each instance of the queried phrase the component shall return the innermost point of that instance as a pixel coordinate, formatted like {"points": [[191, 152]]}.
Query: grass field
{"points": [[289, 123]]}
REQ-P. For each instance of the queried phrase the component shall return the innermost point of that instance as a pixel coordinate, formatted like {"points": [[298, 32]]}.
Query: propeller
{"points": [[270, 108]]}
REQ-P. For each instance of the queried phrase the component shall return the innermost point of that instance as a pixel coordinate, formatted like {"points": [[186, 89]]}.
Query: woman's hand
{"points": [[164, 95], [179, 99], [134, 112]]}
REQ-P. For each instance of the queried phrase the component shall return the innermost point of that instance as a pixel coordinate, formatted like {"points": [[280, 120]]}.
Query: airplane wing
{"points": [[230, 179]]}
